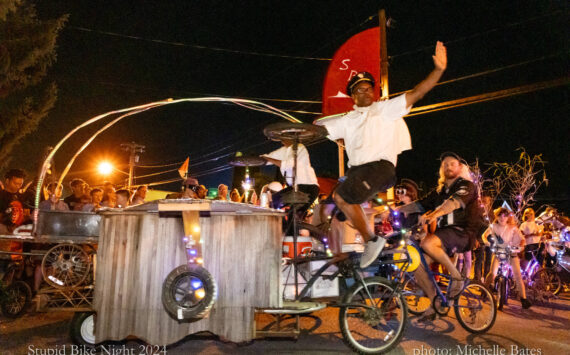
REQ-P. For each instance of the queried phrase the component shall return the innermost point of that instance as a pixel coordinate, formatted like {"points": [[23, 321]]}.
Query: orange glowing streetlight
{"points": [[105, 168]]}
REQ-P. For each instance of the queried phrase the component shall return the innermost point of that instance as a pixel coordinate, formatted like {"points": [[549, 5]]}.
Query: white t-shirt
{"points": [[372, 133], [510, 234], [305, 172], [531, 232]]}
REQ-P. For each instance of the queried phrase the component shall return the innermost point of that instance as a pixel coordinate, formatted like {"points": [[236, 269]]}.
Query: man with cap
{"points": [[454, 205], [374, 133]]}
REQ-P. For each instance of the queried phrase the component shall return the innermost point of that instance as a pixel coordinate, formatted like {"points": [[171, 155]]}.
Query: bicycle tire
{"points": [[473, 300], [504, 290], [386, 324], [18, 297], [548, 280], [189, 292], [499, 286]]}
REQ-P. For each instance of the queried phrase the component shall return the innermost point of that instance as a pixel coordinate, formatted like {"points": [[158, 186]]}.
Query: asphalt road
{"points": [[542, 329]]}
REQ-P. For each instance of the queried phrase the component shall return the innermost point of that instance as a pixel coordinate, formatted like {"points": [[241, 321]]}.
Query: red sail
{"points": [[360, 53]]}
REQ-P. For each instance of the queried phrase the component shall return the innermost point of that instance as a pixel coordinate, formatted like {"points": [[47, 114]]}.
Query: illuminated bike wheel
{"points": [[415, 297], [373, 321], [16, 300], [547, 280], [475, 308], [65, 265], [189, 292]]}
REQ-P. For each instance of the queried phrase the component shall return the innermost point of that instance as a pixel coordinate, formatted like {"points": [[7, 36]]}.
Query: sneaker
{"points": [[525, 303], [371, 251]]}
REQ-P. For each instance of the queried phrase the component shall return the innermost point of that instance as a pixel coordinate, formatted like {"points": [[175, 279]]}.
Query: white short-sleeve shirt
{"points": [[531, 232], [510, 234], [374, 132], [305, 172]]}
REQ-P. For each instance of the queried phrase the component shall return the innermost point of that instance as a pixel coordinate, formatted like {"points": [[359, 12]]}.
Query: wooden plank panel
{"points": [[137, 252]]}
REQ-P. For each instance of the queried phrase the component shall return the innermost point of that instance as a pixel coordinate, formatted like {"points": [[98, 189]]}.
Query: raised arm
{"points": [[440, 63]]}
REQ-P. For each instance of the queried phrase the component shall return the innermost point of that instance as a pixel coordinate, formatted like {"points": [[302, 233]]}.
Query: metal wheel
{"points": [[475, 308], [18, 296], [373, 319], [65, 265], [82, 329], [547, 280], [189, 292]]}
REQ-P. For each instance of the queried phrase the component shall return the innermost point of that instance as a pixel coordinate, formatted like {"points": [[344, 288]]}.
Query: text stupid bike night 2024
{"points": [[102, 349], [478, 350]]}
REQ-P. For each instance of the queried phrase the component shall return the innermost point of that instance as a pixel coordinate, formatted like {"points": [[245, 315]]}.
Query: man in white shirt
{"points": [[306, 178], [374, 133]]}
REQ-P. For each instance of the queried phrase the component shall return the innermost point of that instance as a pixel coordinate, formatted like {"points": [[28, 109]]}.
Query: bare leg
{"points": [[356, 215], [432, 245], [515, 265], [423, 280]]}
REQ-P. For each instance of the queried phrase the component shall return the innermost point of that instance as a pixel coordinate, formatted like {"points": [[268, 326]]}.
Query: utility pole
{"points": [[133, 149], [384, 71]]}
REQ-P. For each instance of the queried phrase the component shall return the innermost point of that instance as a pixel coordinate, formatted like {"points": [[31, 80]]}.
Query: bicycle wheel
{"points": [[373, 322], [547, 280], [415, 297], [65, 265], [18, 296], [475, 308]]}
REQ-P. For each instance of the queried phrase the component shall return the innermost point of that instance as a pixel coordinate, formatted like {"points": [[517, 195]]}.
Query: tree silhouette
{"points": [[27, 50]]}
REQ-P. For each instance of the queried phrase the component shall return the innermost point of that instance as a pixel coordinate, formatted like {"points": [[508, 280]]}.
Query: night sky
{"points": [[108, 59]]}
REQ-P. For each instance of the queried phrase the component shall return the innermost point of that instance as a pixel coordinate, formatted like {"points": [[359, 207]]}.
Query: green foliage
{"points": [[27, 50]]}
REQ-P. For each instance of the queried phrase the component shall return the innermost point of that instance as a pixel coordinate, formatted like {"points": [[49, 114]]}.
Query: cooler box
{"points": [[344, 238], [304, 246]]}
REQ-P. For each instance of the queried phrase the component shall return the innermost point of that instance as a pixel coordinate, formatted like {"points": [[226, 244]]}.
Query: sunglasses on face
{"points": [[400, 191]]}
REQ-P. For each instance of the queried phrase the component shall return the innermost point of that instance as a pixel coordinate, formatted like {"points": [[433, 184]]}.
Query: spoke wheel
{"points": [[547, 280], [475, 308], [65, 265], [18, 296], [373, 322]]}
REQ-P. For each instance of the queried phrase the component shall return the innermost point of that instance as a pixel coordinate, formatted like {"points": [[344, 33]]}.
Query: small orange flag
{"points": [[183, 170]]}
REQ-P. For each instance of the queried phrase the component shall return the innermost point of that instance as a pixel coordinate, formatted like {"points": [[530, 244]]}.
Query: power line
{"points": [[196, 46]]}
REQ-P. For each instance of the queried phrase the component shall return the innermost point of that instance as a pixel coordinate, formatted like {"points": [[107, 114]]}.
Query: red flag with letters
{"points": [[360, 53], [183, 170]]}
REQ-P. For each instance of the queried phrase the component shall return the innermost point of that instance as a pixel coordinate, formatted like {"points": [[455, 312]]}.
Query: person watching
{"points": [[222, 192], [139, 195], [123, 197], [374, 133], [77, 191], [12, 211], [54, 202], [532, 233]]}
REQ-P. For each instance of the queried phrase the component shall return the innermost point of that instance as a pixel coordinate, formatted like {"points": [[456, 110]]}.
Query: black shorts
{"points": [[364, 181], [454, 240]]}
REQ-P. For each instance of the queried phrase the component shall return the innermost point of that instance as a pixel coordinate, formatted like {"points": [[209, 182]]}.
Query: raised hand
{"points": [[440, 57]]}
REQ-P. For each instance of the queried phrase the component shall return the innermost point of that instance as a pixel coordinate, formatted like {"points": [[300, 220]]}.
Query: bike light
{"points": [[395, 213], [200, 293], [199, 260], [196, 284], [192, 251]]}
